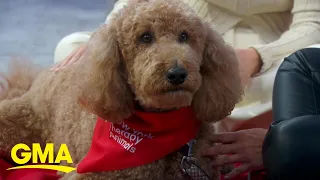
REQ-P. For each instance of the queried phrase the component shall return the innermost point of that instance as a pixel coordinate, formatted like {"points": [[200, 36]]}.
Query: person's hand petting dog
{"points": [[249, 64], [243, 147], [71, 59]]}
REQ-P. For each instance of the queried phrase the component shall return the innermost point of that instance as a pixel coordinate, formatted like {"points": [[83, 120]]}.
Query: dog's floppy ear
{"points": [[221, 84], [104, 89]]}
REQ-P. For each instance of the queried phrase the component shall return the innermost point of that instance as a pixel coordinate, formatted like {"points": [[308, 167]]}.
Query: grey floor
{"points": [[32, 28]]}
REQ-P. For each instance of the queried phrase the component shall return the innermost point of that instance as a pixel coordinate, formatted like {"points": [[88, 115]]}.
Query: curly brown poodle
{"points": [[155, 54]]}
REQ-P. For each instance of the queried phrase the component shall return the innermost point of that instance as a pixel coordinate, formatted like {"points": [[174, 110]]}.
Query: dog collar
{"points": [[141, 139], [189, 164]]}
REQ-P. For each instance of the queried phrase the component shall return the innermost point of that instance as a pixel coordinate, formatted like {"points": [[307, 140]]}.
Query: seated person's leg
{"points": [[292, 146]]}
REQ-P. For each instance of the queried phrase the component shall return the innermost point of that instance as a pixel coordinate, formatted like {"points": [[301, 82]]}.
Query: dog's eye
{"points": [[183, 37], [146, 38]]}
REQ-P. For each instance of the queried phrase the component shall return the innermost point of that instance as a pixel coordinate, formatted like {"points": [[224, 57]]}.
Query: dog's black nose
{"points": [[177, 75]]}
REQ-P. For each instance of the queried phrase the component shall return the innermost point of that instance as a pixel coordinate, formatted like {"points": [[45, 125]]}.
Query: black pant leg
{"points": [[291, 149]]}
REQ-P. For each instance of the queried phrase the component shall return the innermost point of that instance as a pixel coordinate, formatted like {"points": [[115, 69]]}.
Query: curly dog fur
{"points": [[118, 70]]}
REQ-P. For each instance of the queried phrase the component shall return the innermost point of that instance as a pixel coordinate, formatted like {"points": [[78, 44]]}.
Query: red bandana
{"points": [[143, 138]]}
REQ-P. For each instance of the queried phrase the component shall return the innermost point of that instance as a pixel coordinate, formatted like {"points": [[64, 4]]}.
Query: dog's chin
{"points": [[167, 100]]}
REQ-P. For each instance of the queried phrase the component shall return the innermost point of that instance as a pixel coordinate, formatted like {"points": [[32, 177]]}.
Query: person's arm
{"points": [[303, 31]]}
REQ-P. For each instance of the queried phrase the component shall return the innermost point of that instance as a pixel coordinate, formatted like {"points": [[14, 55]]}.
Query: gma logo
{"points": [[47, 156]]}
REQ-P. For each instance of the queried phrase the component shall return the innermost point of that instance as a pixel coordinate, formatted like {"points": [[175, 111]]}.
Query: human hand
{"points": [[243, 147], [71, 59], [249, 64]]}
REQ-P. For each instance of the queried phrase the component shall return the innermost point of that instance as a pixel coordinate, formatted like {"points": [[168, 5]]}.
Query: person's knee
{"points": [[306, 59], [275, 150], [290, 149], [69, 43]]}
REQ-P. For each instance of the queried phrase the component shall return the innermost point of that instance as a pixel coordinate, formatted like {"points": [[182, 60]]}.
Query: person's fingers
{"points": [[237, 171], [65, 62], [58, 65], [74, 58], [221, 149], [77, 55], [54, 67], [227, 159], [70, 59], [227, 137]]}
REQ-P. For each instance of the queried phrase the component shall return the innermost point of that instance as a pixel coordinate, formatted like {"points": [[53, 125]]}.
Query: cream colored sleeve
{"points": [[117, 6], [304, 31]]}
